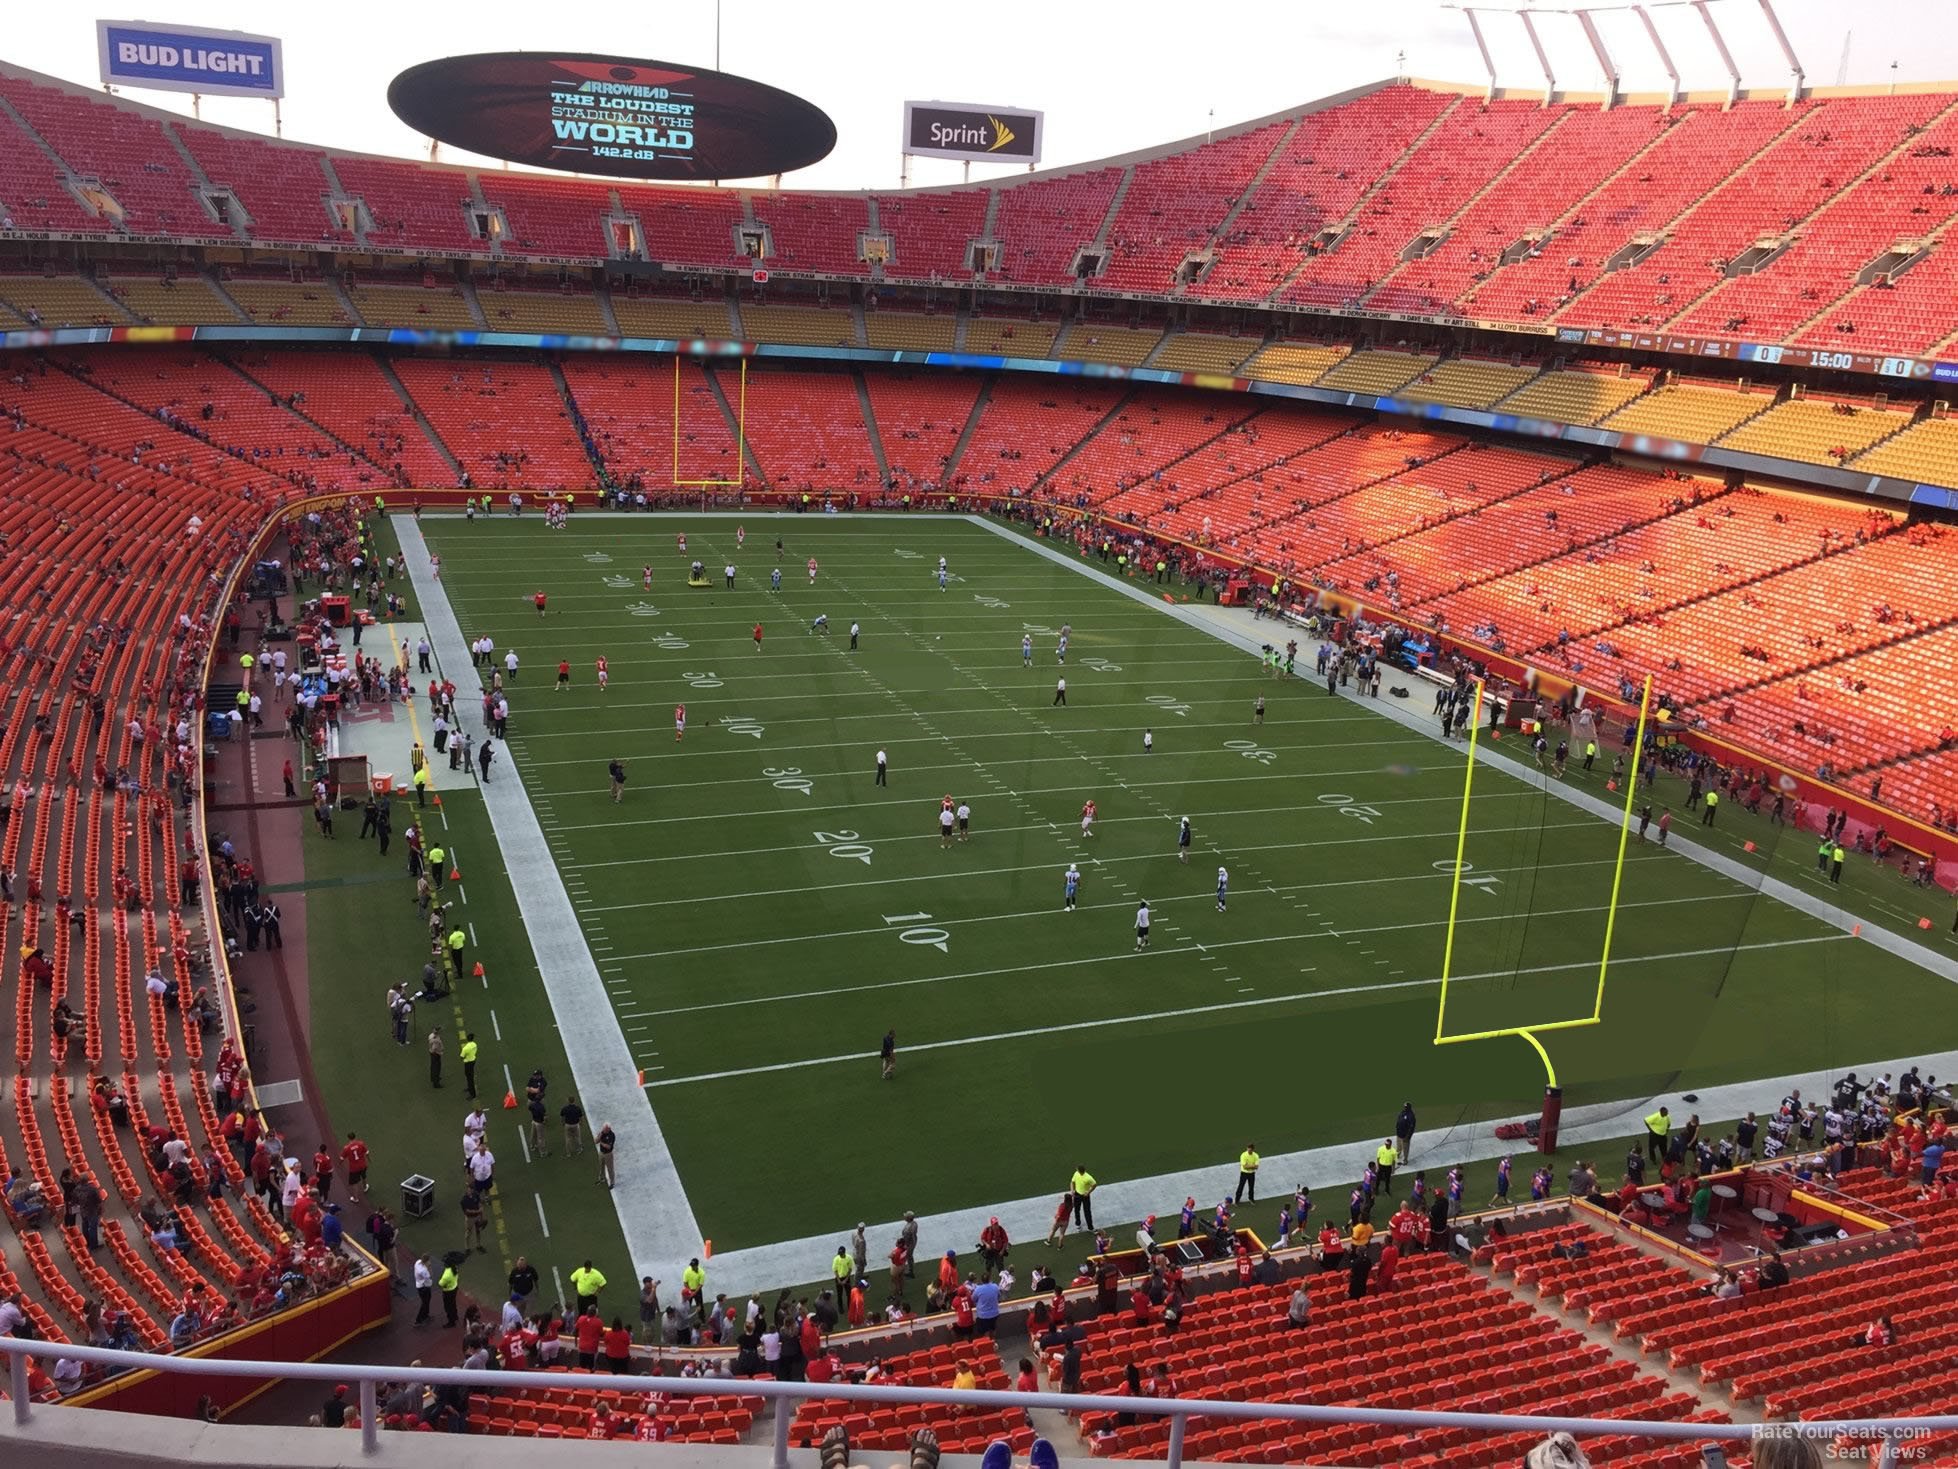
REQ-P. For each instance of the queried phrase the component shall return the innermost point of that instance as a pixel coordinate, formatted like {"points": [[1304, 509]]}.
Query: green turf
{"points": [[363, 934], [762, 956]]}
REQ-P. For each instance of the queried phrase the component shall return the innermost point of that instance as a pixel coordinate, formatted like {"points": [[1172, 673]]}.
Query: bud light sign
{"points": [[165, 58]]}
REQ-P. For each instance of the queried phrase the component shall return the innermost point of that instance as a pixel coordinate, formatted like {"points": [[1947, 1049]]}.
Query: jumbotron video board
{"points": [[611, 115]]}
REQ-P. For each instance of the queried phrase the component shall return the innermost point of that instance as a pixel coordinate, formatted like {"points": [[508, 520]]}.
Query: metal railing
{"points": [[1883, 1432]]}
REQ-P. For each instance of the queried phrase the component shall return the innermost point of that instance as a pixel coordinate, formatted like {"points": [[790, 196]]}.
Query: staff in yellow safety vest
{"points": [[1658, 1127], [1247, 1173]]}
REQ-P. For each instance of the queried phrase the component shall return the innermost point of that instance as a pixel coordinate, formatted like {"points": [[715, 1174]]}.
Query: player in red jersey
{"points": [[604, 675], [758, 637], [683, 542], [812, 571], [563, 674], [1088, 819], [679, 722], [539, 600], [646, 578]]}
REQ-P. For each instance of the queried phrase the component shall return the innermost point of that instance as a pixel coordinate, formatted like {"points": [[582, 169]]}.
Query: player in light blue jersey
{"points": [[1026, 651], [941, 576], [1072, 883], [775, 580], [1223, 888]]}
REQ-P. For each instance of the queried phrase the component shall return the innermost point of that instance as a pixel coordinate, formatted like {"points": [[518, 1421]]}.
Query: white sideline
{"points": [[1026, 1220], [661, 1233]]}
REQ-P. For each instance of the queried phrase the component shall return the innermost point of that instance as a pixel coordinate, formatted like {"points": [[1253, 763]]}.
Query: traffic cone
{"points": [[509, 1101], [1747, 847], [477, 973], [438, 800], [1611, 785], [455, 874], [642, 1078], [707, 1249], [1856, 932], [1923, 923]]}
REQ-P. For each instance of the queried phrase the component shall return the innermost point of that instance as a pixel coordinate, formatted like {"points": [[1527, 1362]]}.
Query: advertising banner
{"points": [[975, 134], [167, 58]]}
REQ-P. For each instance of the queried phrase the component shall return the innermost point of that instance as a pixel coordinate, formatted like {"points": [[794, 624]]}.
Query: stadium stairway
{"points": [[414, 410]]}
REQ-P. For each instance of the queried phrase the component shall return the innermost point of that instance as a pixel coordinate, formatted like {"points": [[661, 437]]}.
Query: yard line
{"points": [[967, 873], [1246, 776], [932, 836], [580, 708], [844, 773], [859, 1057], [495, 1028], [1203, 949], [933, 739], [542, 1223]]}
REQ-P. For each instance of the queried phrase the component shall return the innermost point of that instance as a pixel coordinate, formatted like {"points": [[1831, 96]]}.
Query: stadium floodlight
{"points": [[1529, 1031], [740, 437]]}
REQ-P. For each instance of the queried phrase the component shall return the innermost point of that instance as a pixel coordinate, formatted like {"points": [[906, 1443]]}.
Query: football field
{"points": [[762, 911]]}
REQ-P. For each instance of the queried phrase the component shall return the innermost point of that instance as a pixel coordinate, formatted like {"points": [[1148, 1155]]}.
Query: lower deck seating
{"points": [[1436, 1329], [890, 1425]]}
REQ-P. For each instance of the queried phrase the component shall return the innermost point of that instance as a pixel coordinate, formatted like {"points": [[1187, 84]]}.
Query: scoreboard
{"points": [[611, 115]]}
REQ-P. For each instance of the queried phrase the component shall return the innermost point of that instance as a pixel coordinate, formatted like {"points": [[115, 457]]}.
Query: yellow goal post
{"points": [[740, 437]]}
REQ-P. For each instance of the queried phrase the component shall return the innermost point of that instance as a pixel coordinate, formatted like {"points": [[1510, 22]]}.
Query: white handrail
{"points": [[1177, 1410]]}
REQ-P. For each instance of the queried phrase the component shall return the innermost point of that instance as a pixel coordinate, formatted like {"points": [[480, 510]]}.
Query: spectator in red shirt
{"points": [[323, 1171], [1141, 1311], [590, 1330], [1026, 1381], [617, 1343], [1390, 1259], [1332, 1249]]}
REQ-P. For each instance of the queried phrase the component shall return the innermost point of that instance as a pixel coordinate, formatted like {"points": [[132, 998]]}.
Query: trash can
{"points": [[417, 1196]]}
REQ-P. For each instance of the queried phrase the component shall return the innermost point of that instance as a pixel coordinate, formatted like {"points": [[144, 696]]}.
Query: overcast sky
{"points": [[1111, 77]]}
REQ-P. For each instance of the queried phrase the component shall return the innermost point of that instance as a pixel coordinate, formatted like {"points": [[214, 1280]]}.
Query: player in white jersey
{"points": [[965, 818], [1026, 651], [941, 578], [1142, 925], [646, 578], [1223, 887]]}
